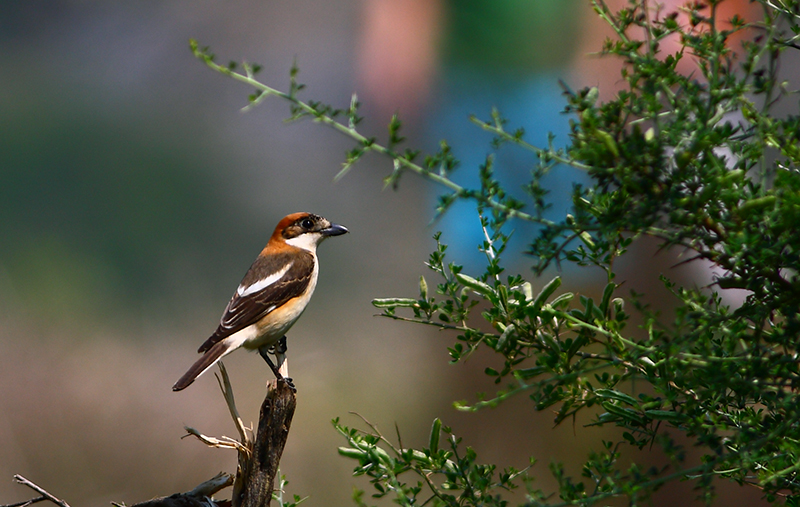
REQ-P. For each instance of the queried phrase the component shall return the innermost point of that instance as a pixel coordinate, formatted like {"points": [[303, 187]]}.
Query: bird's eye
{"points": [[307, 224]]}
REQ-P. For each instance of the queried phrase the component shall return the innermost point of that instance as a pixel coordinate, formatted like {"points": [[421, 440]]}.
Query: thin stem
{"points": [[367, 143], [540, 152], [25, 482]]}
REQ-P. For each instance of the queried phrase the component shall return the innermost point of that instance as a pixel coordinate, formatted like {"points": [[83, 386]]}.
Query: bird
{"points": [[271, 296]]}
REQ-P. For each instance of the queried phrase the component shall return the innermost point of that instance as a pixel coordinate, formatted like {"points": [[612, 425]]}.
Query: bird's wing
{"points": [[268, 285]]}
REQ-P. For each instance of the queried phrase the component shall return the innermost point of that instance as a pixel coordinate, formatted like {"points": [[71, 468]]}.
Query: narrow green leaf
{"points": [[665, 415], [627, 414], [349, 452], [587, 315], [436, 429], [394, 302], [530, 372], [501, 342], [476, 285], [607, 293], [563, 298], [546, 292], [610, 394]]}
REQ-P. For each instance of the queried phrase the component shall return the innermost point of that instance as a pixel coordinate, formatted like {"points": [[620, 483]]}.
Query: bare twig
{"points": [[45, 495], [222, 442], [26, 502], [227, 393]]}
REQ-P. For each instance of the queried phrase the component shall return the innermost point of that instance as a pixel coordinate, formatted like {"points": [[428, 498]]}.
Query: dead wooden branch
{"points": [[201, 496], [45, 496], [255, 479], [259, 457]]}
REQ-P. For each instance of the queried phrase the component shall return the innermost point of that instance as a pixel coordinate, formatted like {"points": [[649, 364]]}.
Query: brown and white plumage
{"points": [[272, 295]]}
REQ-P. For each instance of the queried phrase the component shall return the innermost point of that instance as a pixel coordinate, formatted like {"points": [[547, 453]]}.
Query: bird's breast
{"points": [[276, 323]]}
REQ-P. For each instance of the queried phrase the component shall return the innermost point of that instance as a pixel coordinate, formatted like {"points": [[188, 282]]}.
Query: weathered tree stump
{"points": [[255, 477]]}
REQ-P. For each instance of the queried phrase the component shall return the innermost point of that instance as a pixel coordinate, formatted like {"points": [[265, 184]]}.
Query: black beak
{"points": [[334, 230]]}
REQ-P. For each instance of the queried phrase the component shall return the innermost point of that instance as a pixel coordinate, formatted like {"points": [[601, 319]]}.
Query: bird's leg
{"points": [[280, 347], [280, 356], [264, 352]]}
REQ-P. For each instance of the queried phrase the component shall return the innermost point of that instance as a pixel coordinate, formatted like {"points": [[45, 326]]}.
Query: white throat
{"points": [[307, 241]]}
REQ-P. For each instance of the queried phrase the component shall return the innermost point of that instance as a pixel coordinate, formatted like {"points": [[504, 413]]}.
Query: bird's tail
{"points": [[209, 359]]}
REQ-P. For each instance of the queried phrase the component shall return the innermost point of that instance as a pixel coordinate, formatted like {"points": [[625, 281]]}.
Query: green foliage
{"points": [[697, 161], [278, 493], [444, 475]]}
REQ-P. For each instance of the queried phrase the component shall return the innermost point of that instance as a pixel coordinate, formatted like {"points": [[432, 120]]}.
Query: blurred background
{"points": [[134, 195]]}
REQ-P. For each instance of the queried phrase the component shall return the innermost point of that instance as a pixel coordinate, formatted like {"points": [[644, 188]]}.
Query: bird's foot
{"points": [[289, 383], [264, 352]]}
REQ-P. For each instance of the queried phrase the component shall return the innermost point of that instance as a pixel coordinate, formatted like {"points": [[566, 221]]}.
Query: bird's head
{"points": [[305, 230]]}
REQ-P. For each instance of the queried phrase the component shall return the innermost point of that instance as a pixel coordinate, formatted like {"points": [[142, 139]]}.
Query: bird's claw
{"points": [[289, 383]]}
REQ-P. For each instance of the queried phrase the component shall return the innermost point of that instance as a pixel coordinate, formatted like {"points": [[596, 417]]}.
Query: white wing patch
{"points": [[264, 282]]}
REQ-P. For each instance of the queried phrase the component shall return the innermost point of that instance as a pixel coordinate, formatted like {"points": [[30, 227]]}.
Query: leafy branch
{"points": [[705, 160], [435, 167]]}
